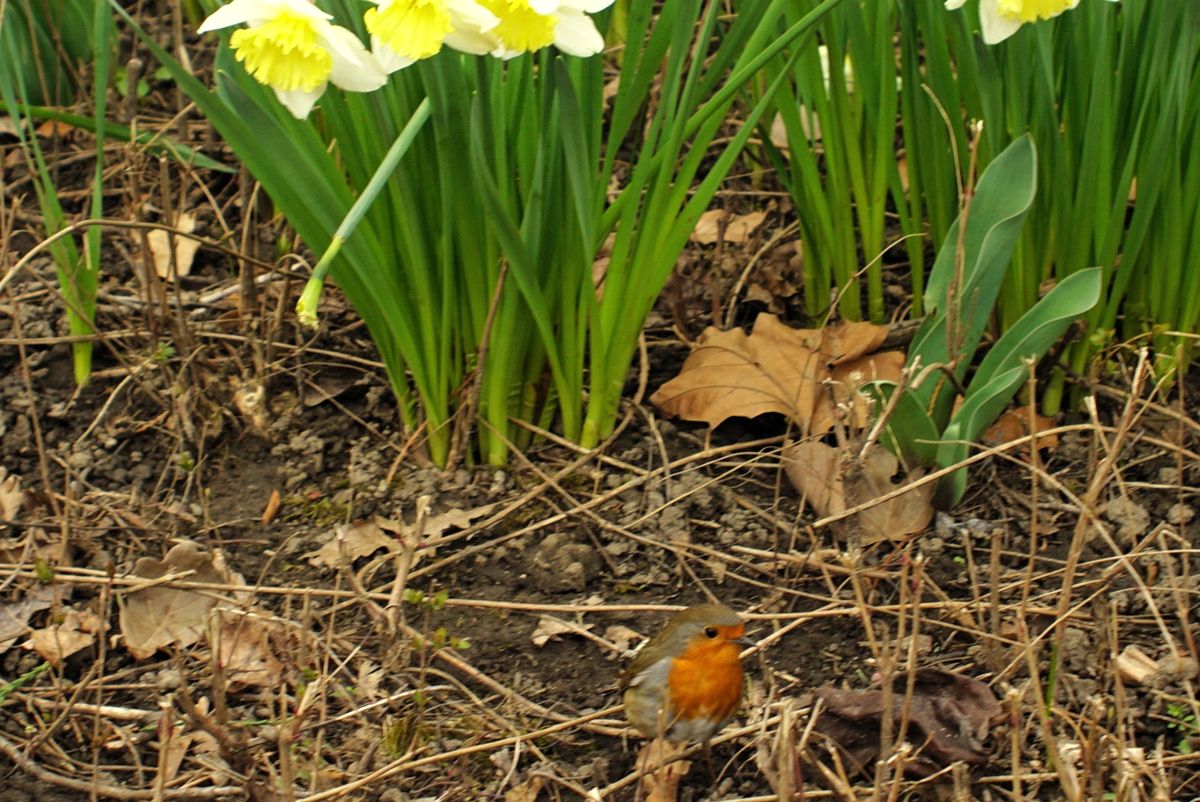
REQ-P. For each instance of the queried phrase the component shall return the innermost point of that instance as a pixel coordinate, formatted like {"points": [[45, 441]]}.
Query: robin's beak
{"points": [[746, 641]]}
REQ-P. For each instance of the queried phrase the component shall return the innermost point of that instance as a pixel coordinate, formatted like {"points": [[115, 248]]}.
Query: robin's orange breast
{"points": [[705, 682]]}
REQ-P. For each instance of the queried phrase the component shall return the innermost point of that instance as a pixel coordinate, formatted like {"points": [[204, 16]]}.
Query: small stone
{"points": [[562, 564], [169, 678], [1131, 518], [932, 546], [1180, 513]]}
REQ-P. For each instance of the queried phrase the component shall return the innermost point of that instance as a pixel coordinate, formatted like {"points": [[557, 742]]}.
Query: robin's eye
{"points": [[710, 632]]}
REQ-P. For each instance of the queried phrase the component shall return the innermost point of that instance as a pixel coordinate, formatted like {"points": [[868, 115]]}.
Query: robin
{"points": [[686, 683]]}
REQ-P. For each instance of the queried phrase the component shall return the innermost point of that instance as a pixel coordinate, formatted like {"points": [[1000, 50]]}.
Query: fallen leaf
{"points": [[832, 482], [159, 243], [329, 384], [950, 717], [352, 541], [662, 784], [160, 616], [51, 128], [436, 525], [367, 537], [75, 632], [527, 791], [550, 627], [12, 497], [14, 616], [246, 652], [737, 229], [810, 375], [622, 637], [1014, 424]]}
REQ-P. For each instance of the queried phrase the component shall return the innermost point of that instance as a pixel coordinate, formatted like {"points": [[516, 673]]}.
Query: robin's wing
{"points": [[648, 667]]}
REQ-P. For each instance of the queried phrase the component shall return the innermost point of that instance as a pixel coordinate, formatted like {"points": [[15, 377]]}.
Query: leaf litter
{"points": [[156, 617], [949, 718], [812, 376]]}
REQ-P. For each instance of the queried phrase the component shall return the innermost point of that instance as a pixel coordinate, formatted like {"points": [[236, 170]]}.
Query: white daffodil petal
{"points": [[576, 35], [472, 41], [354, 68], [389, 60], [236, 13], [298, 102], [545, 6], [952, 5], [996, 26], [586, 6], [467, 14]]}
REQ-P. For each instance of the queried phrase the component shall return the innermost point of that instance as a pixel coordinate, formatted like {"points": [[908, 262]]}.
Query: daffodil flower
{"points": [[528, 25], [292, 47], [1000, 19], [405, 31]]}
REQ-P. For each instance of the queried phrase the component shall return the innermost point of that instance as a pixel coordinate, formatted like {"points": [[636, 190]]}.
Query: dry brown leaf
{"points": [[75, 632], [246, 650], [527, 791], [12, 497], [833, 482], [159, 243], [1014, 424], [353, 540], [737, 230], [367, 537], [842, 401], [662, 784], [159, 616], [949, 715], [52, 128], [14, 620], [550, 627], [622, 637], [805, 374]]}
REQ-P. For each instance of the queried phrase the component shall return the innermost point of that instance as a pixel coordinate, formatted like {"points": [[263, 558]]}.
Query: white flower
{"points": [[1000, 19], [404, 31], [292, 47], [528, 25]]}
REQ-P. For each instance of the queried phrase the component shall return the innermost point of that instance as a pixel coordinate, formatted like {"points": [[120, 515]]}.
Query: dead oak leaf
{"points": [[949, 719], [549, 627], [1014, 424], [248, 644], [14, 620], [833, 481], [662, 783], [812, 376], [11, 496], [159, 616], [364, 538], [738, 228], [351, 541], [76, 631]]}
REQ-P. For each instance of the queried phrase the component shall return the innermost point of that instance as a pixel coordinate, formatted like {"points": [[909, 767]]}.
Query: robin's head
{"points": [[706, 630]]}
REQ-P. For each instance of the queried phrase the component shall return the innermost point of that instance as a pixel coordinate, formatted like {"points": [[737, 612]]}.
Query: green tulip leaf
{"points": [[995, 216], [1004, 370]]}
